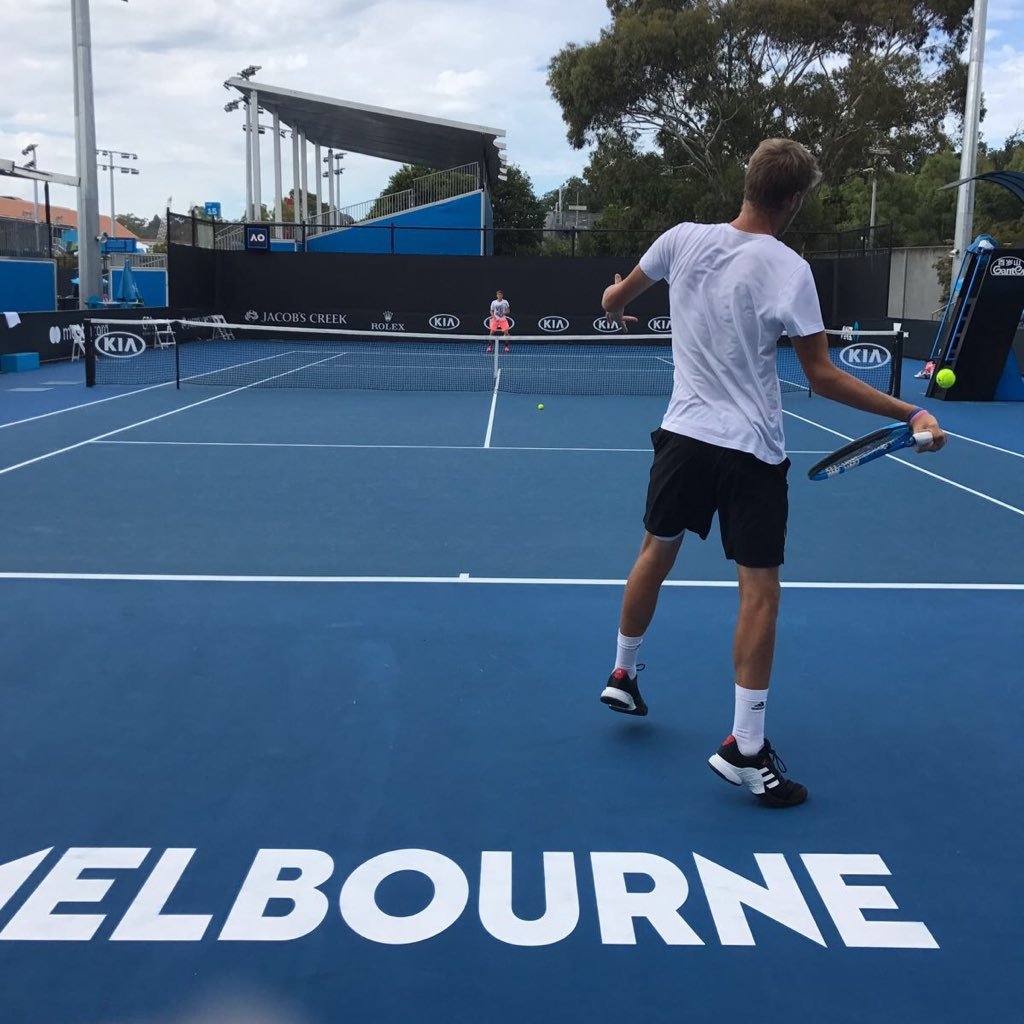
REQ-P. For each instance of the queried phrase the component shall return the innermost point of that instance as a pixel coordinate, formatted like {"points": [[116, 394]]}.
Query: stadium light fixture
{"points": [[110, 155]]}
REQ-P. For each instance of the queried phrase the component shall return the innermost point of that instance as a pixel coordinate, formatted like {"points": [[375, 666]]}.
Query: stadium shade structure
{"points": [[341, 125]]}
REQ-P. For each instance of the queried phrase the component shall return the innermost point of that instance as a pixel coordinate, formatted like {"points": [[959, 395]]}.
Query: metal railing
{"points": [[431, 188]]}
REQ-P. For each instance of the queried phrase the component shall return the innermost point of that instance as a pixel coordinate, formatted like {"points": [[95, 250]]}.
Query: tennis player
{"points": [[499, 318], [733, 290]]}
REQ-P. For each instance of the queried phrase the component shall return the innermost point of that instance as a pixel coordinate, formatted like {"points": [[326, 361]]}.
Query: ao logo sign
{"points": [[120, 345], [603, 326], [444, 321], [661, 324], [864, 355], [553, 324]]}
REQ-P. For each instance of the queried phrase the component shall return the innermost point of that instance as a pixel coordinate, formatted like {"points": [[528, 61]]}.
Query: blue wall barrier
{"points": [[415, 236], [28, 286], [151, 282]]}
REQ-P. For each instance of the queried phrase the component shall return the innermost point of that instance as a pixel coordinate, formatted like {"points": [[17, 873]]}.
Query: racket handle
{"points": [[922, 438]]}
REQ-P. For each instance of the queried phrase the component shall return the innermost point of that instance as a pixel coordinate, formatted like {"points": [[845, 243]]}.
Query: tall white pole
{"points": [[248, 162], [317, 179], [295, 180], [85, 156], [304, 175], [278, 206], [969, 152], [257, 170], [330, 186], [113, 222]]}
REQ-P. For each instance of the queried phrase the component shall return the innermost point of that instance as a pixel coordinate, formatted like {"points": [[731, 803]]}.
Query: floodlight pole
{"points": [[278, 206], [247, 127], [89, 282], [969, 151], [257, 175]]}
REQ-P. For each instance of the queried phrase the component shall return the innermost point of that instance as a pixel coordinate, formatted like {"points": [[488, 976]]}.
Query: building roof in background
{"points": [[60, 216], [378, 131]]}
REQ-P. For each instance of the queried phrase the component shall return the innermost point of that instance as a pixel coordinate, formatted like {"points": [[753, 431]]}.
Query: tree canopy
{"points": [[675, 95]]}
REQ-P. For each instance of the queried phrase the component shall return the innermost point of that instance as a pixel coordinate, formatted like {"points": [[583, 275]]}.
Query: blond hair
{"points": [[778, 170]]}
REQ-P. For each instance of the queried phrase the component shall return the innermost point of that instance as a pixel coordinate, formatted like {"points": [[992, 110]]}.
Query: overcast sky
{"points": [[158, 67]]}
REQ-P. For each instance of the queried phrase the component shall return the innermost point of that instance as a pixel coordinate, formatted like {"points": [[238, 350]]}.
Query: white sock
{"points": [[748, 724], [625, 653]]}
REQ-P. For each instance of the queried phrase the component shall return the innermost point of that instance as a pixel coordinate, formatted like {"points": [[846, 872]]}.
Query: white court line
{"points": [[84, 405], [494, 406], [465, 578], [985, 444], [917, 469], [411, 447], [139, 391], [163, 415]]}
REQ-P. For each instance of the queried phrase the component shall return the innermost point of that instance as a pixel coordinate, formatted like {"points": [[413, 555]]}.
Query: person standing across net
{"points": [[733, 290], [498, 319]]}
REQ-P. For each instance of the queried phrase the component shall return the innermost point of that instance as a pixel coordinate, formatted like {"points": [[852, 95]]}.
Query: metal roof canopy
{"points": [[377, 131]]}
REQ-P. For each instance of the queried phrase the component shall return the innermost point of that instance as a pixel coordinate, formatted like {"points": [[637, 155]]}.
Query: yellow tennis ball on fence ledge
{"points": [[945, 378], [540, 405]]}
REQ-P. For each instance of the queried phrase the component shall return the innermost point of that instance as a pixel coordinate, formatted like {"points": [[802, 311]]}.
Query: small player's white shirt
{"points": [[731, 295], [499, 308]]}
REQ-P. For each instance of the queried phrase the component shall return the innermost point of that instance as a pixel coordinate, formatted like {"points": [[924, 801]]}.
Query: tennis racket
{"points": [[865, 449]]}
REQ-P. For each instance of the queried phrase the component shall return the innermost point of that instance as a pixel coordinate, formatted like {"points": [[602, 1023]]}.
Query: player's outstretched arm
{"points": [[619, 295], [827, 380]]}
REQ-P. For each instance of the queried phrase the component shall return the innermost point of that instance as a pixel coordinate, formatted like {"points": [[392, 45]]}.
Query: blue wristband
{"points": [[913, 416]]}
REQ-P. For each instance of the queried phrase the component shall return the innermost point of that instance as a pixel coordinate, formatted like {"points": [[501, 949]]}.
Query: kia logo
{"points": [[661, 324], [120, 345], [444, 321], [865, 356], [553, 324], [603, 326]]}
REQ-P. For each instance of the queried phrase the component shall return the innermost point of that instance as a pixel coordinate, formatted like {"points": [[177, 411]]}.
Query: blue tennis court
{"points": [[301, 718]]}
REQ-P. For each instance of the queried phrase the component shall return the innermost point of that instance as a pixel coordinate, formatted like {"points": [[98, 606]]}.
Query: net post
{"points": [[897, 363], [90, 356], [177, 366]]}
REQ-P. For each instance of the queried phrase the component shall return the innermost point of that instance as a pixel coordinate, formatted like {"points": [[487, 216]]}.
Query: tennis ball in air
{"points": [[540, 405], [945, 378]]}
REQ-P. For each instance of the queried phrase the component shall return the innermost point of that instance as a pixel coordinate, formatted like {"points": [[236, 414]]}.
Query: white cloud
{"points": [[158, 70]]}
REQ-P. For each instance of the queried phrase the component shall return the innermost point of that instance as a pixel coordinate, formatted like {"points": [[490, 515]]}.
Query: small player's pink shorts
{"points": [[499, 324]]}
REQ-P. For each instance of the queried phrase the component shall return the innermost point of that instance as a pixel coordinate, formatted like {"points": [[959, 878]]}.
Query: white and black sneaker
{"points": [[762, 774], [622, 693]]}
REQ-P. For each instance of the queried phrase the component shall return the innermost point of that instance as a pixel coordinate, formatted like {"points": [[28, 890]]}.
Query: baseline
{"points": [[466, 578]]}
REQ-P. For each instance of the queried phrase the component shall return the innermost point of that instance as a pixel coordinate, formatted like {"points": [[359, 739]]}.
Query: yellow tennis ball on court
{"points": [[945, 378], [540, 405]]}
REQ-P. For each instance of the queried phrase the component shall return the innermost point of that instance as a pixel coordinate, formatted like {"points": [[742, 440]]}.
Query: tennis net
{"points": [[209, 350]]}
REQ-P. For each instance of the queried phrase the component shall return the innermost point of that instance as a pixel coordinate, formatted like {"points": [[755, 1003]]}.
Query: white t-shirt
{"points": [[499, 308], [731, 295]]}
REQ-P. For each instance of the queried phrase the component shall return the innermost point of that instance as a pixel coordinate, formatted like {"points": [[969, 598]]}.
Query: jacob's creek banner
{"points": [[551, 324]]}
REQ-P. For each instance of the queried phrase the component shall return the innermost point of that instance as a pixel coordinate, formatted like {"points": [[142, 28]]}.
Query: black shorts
{"points": [[692, 480]]}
